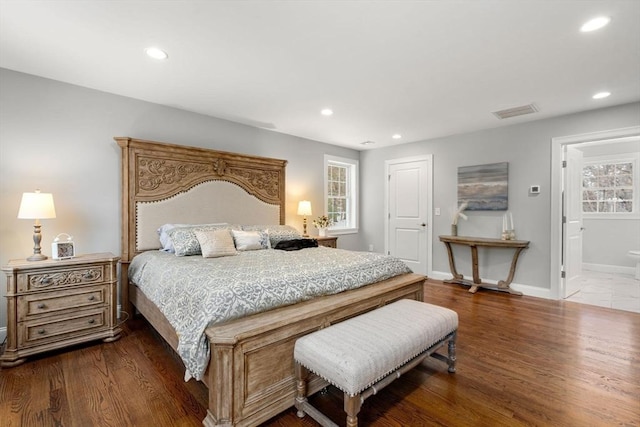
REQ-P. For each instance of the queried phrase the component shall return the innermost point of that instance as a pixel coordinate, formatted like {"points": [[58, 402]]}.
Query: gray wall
{"points": [[59, 138], [527, 148], [606, 242]]}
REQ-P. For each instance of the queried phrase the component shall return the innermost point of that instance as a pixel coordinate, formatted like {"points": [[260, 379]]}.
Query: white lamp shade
{"points": [[304, 208], [37, 206]]}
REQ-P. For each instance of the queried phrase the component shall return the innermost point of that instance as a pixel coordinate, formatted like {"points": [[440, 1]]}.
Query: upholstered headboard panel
{"points": [[166, 183], [206, 203]]}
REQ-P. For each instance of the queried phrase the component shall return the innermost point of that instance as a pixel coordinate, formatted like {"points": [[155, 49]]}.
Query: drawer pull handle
{"points": [[92, 298], [45, 280], [88, 275], [41, 331], [41, 306], [92, 321]]}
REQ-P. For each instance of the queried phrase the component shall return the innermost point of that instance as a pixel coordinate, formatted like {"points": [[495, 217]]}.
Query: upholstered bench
{"points": [[363, 354]]}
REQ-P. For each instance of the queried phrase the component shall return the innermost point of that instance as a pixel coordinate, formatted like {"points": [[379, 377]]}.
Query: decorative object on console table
{"points": [[304, 209], [474, 243], [53, 304], [508, 229], [37, 206], [329, 241], [456, 216]]}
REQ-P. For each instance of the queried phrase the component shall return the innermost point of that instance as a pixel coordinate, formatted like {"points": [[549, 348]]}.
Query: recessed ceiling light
{"points": [[156, 53], [367, 143], [595, 24], [601, 95], [327, 112], [396, 136]]}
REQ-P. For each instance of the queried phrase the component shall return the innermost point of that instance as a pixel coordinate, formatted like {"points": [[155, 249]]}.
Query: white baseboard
{"points": [[532, 291], [615, 269]]}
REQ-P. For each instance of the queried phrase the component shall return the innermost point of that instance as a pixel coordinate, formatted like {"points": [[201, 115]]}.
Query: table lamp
{"points": [[304, 209], [37, 206]]}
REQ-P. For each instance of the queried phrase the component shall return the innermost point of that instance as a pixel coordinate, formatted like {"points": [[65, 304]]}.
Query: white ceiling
{"points": [[424, 69]]}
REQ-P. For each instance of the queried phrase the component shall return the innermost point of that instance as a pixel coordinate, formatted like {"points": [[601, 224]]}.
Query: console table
{"points": [[474, 243]]}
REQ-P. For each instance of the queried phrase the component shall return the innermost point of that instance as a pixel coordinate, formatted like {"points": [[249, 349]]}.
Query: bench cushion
{"points": [[356, 353]]}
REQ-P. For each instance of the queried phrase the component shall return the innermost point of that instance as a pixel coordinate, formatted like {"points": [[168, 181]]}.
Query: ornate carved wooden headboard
{"points": [[166, 183]]}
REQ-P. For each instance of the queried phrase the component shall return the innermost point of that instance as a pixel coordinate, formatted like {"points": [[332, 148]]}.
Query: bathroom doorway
{"points": [[605, 238]]}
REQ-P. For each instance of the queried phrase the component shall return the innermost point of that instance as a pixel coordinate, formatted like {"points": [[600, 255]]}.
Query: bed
{"points": [[250, 369]]}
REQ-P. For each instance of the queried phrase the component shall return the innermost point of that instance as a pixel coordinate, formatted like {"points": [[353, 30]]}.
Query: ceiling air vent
{"points": [[516, 111]]}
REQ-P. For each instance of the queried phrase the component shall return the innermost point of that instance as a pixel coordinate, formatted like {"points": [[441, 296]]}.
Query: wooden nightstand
{"points": [[56, 303], [330, 242]]}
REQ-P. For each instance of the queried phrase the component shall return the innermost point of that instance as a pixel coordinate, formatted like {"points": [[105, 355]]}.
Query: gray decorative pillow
{"points": [[163, 235], [184, 239], [277, 233], [165, 239], [215, 243]]}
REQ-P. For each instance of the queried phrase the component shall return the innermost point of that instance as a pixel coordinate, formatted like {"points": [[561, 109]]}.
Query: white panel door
{"points": [[572, 237], [408, 216]]}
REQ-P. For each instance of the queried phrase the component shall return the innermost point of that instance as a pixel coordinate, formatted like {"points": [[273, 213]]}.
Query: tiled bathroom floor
{"points": [[617, 291]]}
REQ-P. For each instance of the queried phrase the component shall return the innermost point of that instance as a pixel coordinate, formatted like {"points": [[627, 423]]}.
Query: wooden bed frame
{"points": [[251, 375]]}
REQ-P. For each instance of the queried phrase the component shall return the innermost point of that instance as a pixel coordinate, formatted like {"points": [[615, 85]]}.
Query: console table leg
{"points": [[505, 284], [476, 274], [452, 263]]}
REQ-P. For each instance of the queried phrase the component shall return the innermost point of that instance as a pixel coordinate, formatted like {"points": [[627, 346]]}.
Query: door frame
{"points": [[557, 149], [428, 158]]}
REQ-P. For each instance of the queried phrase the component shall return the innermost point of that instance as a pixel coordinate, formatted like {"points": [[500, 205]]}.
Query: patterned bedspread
{"points": [[195, 292]]}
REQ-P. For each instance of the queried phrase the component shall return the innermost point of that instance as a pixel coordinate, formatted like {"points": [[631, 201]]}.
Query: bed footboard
{"points": [[251, 373]]}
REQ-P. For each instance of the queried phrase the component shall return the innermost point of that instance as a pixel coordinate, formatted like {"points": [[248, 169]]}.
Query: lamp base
{"points": [[37, 237]]}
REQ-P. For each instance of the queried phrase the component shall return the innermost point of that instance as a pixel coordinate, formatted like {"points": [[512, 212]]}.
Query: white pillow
{"points": [[250, 240], [215, 243]]}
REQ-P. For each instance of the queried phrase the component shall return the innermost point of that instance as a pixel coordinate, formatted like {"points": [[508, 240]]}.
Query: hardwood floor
{"points": [[522, 361]]}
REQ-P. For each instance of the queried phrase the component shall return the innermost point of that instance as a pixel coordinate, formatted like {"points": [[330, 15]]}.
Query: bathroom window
{"points": [[610, 187]]}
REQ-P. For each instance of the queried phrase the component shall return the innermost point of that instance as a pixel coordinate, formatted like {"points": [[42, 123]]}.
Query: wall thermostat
{"points": [[534, 189]]}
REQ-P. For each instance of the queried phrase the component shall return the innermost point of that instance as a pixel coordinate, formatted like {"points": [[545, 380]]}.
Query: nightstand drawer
{"points": [[35, 304], [57, 278], [35, 332]]}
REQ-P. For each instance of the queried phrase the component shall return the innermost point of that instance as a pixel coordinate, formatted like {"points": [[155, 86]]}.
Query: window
{"points": [[610, 186], [341, 193]]}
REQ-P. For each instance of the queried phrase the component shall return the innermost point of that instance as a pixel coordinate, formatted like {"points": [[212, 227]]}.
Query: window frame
{"points": [[352, 166], [634, 159]]}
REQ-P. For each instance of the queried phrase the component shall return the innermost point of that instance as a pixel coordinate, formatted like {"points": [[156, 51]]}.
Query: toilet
{"points": [[636, 256]]}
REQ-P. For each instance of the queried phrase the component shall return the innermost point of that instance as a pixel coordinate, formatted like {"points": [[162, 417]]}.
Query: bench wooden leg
{"points": [[302, 374], [451, 359], [352, 406]]}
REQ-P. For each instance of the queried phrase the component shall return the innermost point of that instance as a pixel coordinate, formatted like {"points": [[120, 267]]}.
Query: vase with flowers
{"points": [[322, 223], [457, 215]]}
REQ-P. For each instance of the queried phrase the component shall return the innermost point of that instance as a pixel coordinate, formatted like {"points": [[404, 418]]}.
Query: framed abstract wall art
{"points": [[484, 187]]}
